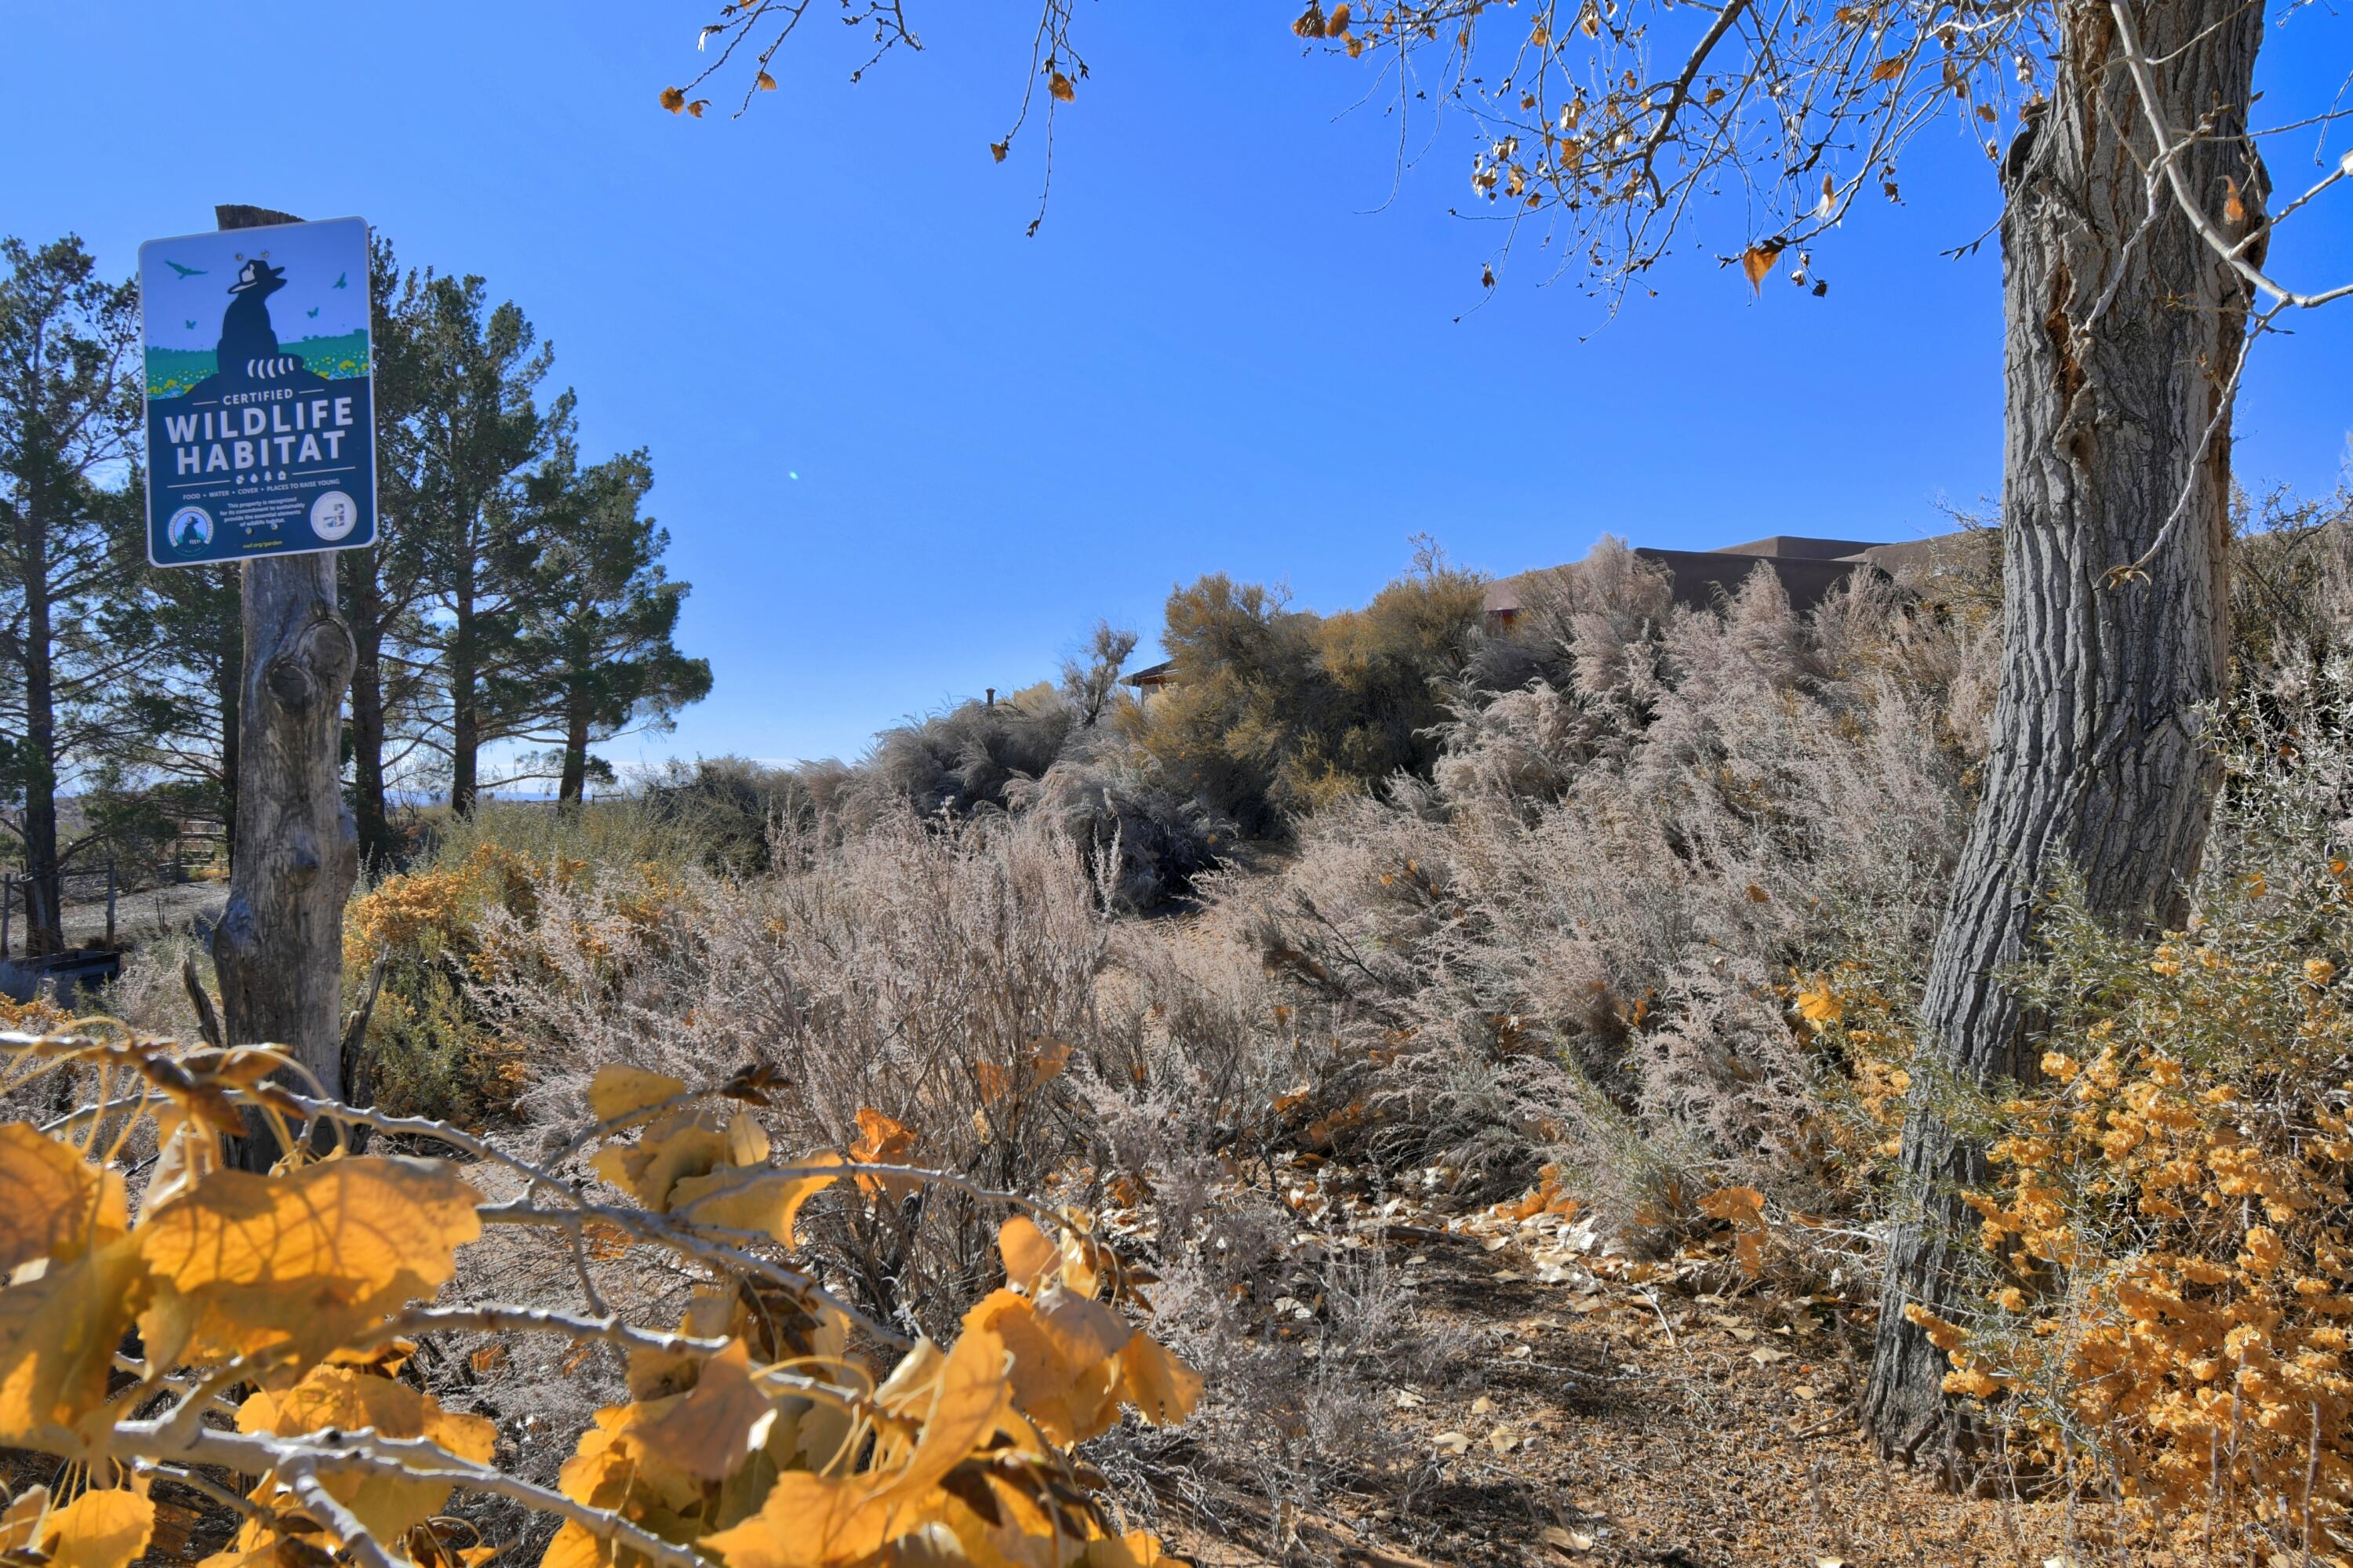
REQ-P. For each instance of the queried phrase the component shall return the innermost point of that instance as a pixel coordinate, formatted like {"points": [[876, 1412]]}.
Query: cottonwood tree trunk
{"points": [[278, 948], [2123, 330]]}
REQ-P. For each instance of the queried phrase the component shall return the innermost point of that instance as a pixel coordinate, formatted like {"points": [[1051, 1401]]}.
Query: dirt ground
{"points": [[1614, 1424]]}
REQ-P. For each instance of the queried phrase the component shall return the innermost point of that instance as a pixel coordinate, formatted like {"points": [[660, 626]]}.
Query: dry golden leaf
{"points": [[753, 1199], [619, 1090], [489, 1359], [20, 1521], [809, 1521], [1136, 1549], [998, 150], [242, 1262], [187, 1150], [1336, 25], [964, 1408], [2234, 211], [672, 99], [686, 1143], [1162, 1388], [881, 1141], [1084, 1264], [713, 1429], [57, 1336], [573, 1547], [1820, 1007], [339, 1397], [1741, 1205], [1050, 1058], [1452, 1442], [1071, 1394], [1567, 1539], [1027, 1255], [100, 1530], [1757, 263], [58, 1204], [767, 83], [1888, 69], [1061, 88]]}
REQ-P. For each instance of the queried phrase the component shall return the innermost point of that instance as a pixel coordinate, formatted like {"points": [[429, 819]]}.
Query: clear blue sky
{"points": [[1228, 349]]}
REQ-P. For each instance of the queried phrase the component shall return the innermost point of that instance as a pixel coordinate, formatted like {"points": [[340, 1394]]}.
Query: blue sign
{"points": [[260, 406]]}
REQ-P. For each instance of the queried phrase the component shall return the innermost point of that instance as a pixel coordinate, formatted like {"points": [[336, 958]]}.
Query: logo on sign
{"points": [[191, 529], [333, 515]]}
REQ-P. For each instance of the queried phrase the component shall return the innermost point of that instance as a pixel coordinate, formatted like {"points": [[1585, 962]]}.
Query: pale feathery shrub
{"points": [[964, 983], [1597, 976]]}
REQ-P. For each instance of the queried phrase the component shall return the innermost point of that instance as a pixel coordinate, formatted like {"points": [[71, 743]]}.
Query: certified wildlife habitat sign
{"points": [[260, 408]]}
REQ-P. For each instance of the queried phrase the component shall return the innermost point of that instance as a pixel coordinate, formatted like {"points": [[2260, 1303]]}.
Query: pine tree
{"points": [[595, 655], [70, 616], [479, 434]]}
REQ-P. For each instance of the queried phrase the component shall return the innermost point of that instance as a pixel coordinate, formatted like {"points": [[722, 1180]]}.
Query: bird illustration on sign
{"points": [[184, 272]]}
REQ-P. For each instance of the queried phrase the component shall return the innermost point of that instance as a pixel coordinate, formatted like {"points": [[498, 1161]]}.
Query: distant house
{"points": [[1149, 680], [1809, 569]]}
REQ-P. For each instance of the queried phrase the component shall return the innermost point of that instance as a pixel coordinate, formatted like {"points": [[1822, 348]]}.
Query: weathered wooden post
{"points": [[279, 947]]}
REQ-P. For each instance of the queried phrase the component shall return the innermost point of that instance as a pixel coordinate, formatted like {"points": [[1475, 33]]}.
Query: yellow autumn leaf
{"points": [[574, 1547], [302, 1262], [1888, 69], [713, 1428], [811, 1521], [749, 1197], [1741, 1205], [672, 99], [100, 1530], [20, 1521], [1161, 1387], [1061, 88], [340, 1397], [1757, 263], [1062, 1376], [617, 1090], [1048, 1059], [58, 1204], [690, 1142], [1028, 1254], [57, 1336], [767, 83], [1136, 1549], [881, 1141]]}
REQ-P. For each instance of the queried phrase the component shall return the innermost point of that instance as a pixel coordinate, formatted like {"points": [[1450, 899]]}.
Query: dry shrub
{"points": [[1574, 943], [956, 995], [2168, 1270]]}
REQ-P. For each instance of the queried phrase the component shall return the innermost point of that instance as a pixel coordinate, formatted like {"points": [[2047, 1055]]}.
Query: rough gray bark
{"points": [[278, 947], [2124, 328]]}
